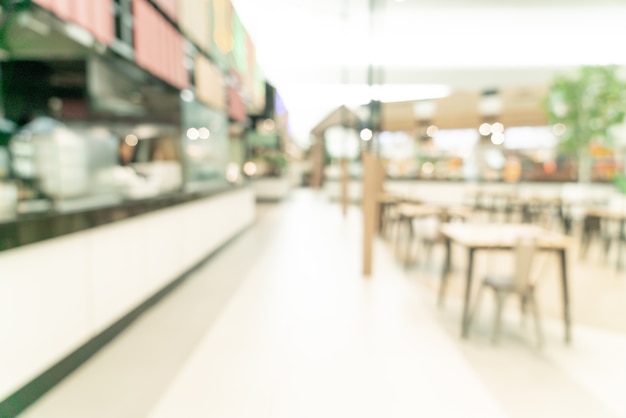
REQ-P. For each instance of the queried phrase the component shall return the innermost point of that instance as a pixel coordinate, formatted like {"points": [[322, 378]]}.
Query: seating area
{"points": [[559, 254]]}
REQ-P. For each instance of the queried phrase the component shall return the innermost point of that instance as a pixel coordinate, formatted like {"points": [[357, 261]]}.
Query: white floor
{"points": [[281, 323]]}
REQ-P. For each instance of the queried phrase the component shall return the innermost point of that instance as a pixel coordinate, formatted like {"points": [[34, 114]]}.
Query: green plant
{"points": [[275, 160], [588, 105], [8, 10], [620, 183]]}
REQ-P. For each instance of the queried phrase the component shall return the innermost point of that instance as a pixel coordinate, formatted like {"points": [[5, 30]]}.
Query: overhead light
{"points": [[424, 109], [497, 138], [485, 129], [79, 34], [193, 134], [388, 93], [186, 96], [204, 133], [432, 130], [250, 168], [27, 20], [269, 125], [131, 140], [497, 128], [366, 134], [146, 131]]}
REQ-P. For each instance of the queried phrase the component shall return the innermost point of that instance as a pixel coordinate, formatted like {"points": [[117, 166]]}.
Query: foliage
{"points": [[274, 159], [619, 180], [589, 105], [8, 9]]}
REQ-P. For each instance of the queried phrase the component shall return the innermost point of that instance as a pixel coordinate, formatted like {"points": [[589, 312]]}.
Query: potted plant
{"points": [[584, 110]]}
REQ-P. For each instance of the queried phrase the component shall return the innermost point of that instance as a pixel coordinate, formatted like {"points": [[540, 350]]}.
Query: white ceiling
{"points": [[310, 49]]}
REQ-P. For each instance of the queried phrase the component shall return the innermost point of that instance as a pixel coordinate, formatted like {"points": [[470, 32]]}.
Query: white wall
{"points": [[57, 294], [453, 193]]}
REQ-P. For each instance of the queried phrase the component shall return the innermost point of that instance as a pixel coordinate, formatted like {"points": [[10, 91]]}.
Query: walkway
{"points": [[281, 323]]}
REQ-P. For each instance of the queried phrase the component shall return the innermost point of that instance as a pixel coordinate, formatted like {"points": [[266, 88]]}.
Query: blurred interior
{"points": [[146, 143]]}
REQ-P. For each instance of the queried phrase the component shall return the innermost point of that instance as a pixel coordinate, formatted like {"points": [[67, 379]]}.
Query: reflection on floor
{"points": [[282, 324]]}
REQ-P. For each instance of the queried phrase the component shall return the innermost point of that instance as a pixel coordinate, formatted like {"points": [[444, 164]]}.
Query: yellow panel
{"points": [[194, 21], [210, 86]]}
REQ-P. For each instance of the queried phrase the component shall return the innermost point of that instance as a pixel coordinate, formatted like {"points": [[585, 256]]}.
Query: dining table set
{"points": [[465, 228]]}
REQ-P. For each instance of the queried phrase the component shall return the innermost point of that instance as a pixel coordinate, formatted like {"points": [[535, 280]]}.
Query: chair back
{"points": [[524, 253]]}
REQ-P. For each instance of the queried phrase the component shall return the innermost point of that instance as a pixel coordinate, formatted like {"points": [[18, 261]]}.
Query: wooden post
{"points": [[344, 187], [372, 188], [317, 157]]}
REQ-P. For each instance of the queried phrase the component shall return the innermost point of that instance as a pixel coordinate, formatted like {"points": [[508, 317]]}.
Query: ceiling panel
{"points": [[466, 44]]}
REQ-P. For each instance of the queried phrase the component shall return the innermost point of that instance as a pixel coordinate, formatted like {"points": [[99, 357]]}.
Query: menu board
{"points": [[240, 46], [158, 45], [210, 85], [94, 15], [222, 33], [236, 105], [194, 20]]}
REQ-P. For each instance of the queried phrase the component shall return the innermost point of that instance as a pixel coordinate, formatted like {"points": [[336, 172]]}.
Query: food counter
{"points": [[67, 278]]}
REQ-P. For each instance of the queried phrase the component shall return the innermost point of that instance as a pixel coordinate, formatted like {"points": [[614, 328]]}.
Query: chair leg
{"points": [[607, 248], [498, 317], [409, 242], [533, 304], [399, 235], [474, 311], [523, 304]]}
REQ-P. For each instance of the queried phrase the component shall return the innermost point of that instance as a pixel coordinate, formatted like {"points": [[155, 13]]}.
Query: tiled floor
{"points": [[282, 324]]}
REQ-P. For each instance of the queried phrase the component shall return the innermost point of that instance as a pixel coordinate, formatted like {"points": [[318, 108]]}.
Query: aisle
{"points": [[282, 324], [307, 336]]}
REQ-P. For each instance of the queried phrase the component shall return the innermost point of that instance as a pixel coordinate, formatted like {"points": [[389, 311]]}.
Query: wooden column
{"points": [[372, 188], [344, 186], [317, 160]]}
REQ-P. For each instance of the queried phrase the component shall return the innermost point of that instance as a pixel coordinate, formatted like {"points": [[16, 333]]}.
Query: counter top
{"points": [[30, 228]]}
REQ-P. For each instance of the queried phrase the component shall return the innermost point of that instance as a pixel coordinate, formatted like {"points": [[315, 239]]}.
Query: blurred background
{"points": [[198, 112]]}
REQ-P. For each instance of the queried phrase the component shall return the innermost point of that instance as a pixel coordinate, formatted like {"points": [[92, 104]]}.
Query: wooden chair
{"points": [[518, 283]]}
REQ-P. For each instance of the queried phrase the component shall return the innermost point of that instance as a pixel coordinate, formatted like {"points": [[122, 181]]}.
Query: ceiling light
{"points": [[497, 128], [250, 168], [432, 130], [484, 129], [497, 138], [131, 140], [146, 131], [204, 133], [193, 134], [366, 134], [428, 168], [186, 95]]}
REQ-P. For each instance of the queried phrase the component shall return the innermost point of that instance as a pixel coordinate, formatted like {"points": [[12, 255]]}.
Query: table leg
{"points": [[399, 232], [447, 261], [620, 238], [566, 308], [468, 291], [409, 241]]}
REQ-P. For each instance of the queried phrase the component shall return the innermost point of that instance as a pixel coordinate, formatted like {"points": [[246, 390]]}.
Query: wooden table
{"points": [[407, 212], [591, 225], [385, 202], [475, 237]]}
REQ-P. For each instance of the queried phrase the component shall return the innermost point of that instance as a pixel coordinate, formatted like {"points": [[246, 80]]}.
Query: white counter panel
{"points": [[45, 307], [57, 294]]}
